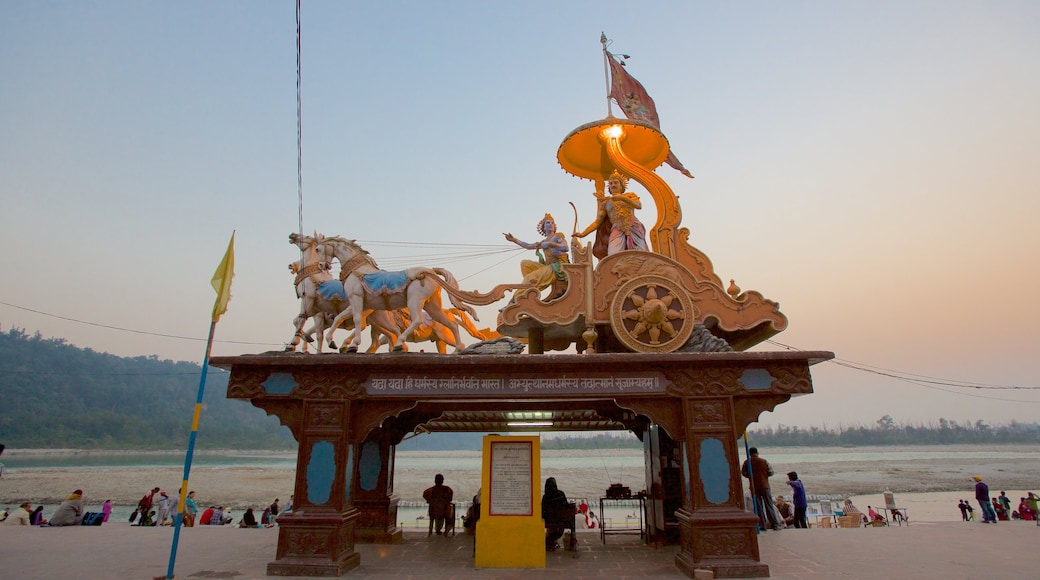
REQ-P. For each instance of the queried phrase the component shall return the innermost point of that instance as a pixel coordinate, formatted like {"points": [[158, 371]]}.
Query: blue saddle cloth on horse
{"points": [[383, 282], [332, 290]]}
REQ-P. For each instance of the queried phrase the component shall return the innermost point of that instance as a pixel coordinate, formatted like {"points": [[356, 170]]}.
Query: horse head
{"points": [[347, 252]]}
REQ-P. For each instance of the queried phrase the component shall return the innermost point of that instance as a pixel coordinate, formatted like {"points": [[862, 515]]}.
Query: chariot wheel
{"points": [[652, 314]]}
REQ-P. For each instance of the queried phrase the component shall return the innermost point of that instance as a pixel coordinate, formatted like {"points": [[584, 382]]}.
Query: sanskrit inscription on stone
{"points": [[591, 383], [512, 491]]}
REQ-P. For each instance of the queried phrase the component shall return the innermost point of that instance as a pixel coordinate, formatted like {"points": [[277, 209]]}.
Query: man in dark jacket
{"points": [[757, 470], [982, 495], [439, 497]]}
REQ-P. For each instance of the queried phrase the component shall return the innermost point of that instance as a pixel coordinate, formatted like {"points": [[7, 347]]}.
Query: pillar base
{"points": [[315, 543], [294, 567], [722, 539], [377, 521]]}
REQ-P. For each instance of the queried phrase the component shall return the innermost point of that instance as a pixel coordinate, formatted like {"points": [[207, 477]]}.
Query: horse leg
{"points": [[415, 313], [319, 330], [359, 319], [375, 341], [298, 323], [351, 341], [333, 327], [438, 315], [384, 329]]}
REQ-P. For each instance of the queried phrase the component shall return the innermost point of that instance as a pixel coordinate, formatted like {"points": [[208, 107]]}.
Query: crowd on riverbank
{"points": [[928, 481]]}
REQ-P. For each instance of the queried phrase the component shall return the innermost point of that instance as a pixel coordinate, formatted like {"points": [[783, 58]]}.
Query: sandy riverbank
{"points": [[929, 487]]}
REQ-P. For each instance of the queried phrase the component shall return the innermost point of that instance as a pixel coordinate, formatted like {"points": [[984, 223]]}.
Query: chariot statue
{"points": [[634, 290]]}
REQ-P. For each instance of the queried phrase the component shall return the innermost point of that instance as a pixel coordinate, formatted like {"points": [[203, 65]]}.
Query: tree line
{"points": [[885, 431], [56, 395]]}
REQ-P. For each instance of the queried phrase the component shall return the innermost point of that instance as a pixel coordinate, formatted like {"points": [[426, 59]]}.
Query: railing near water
{"points": [[411, 514]]}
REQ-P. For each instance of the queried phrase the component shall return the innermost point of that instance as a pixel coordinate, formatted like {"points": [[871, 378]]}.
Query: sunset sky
{"points": [[872, 166]]}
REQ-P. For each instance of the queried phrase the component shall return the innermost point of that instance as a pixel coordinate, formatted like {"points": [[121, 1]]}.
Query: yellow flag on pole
{"points": [[222, 280]]}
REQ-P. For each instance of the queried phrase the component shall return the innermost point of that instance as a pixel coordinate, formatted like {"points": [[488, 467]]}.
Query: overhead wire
{"points": [[135, 331], [934, 383]]}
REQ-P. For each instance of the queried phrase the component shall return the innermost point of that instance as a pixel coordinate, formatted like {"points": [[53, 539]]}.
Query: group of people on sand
{"points": [[168, 507], [779, 514], [758, 471], [150, 511], [999, 508], [69, 513]]}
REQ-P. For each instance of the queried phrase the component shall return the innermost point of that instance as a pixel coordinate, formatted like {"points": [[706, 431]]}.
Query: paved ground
{"points": [[947, 550]]}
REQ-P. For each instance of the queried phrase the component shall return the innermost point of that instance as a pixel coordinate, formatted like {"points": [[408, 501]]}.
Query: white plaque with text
{"points": [[512, 490]]}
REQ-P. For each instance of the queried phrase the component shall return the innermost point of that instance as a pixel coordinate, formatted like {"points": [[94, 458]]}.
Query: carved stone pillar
{"points": [[715, 530], [317, 537], [373, 493]]}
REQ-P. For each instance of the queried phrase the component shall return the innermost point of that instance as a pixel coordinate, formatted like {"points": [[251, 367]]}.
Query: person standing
{"points": [[190, 509], [982, 496], [758, 470], [164, 509], [617, 227], [801, 502], [439, 497], [1031, 499], [106, 510], [146, 502], [964, 510]]}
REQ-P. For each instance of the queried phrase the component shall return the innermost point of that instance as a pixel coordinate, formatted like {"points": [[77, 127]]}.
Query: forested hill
{"points": [[55, 395]]}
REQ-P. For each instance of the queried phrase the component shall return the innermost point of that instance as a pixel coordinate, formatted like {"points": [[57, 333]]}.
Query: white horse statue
{"points": [[322, 297], [366, 287]]}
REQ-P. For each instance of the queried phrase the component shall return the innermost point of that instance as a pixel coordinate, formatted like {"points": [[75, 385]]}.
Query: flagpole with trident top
{"points": [[606, 71], [222, 285]]}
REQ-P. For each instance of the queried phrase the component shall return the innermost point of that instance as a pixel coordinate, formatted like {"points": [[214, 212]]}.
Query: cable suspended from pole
{"points": [[299, 123]]}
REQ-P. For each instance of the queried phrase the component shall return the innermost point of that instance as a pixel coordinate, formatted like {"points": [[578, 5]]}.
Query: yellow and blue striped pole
{"points": [[222, 285]]}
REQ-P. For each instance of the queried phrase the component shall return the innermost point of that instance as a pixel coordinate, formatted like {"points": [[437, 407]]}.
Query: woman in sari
{"points": [[1025, 510]]}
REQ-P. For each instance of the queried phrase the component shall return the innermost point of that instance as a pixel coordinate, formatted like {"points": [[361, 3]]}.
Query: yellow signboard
{"points": [[510, 532]]}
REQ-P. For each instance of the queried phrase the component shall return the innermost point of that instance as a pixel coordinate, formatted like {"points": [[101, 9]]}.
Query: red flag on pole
{"points": [[633, 99]]}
